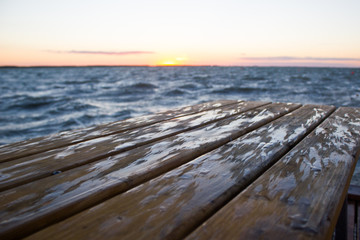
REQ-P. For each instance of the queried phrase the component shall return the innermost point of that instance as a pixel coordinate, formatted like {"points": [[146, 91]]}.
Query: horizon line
{"points": [[166, 66]]}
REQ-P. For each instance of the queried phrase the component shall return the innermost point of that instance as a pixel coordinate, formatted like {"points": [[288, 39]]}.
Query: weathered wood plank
{"points": [[43, 202], [173, 204], [42, 144], [27, 169], [300, 196]]}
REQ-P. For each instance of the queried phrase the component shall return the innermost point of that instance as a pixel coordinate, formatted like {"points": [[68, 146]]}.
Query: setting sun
{"points": [[168, 63], [178, 61]]}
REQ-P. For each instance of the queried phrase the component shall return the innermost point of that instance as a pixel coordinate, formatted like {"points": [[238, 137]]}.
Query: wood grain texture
{"points": [[50, 200], [171, 205], [300, 196], [42, 144], [27, 169]]}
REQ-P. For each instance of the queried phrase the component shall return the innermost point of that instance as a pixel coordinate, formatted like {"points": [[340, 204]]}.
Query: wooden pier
{"points": [[218, 170]]}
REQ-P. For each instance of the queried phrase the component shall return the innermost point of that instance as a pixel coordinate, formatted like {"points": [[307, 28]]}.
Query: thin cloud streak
{"points": [[101, 52], [287, 58]]}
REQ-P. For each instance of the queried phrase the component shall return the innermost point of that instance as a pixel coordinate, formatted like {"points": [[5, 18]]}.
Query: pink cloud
{"points": [[101, 52], [287, 58]]}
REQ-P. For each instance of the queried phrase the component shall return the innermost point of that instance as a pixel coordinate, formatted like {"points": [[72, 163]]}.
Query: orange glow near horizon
{"points": [[168, 63], [178, 61], [12, 56]]}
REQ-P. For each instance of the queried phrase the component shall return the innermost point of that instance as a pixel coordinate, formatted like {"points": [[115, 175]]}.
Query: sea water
{"points": [[40, 101]]}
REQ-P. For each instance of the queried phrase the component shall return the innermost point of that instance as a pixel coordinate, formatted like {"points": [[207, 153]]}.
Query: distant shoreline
{"points": [[220, 66]]}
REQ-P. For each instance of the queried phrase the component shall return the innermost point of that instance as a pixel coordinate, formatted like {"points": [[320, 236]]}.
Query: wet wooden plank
{"points": [[29, 147], [173, 204], [300, 196], [27, 169], [43, 202]]}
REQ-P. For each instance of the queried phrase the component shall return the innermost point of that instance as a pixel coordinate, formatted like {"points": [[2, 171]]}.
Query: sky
{"points": [[186, 32]]}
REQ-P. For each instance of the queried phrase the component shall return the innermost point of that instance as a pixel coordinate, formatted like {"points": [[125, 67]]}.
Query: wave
{"points": [[31, 103], [142, 85], [238, 90], [128, 91], [189, 86], [201, 78], [176, 92], [253, 78], [302, 78]]}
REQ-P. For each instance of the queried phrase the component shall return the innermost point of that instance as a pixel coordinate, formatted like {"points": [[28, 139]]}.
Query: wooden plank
{"points": [[354, 192], [357, 220], [301, 195], [42, 144], [341, 223], [27, 169], [351, 220], [354, 198], [173, 204], [43, 202]]}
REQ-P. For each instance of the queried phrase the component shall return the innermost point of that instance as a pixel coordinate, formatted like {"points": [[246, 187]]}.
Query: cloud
{"points": [[101, 52], [287, 58]]}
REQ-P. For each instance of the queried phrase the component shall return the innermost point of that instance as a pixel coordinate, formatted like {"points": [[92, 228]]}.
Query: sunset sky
{"points": [[186, 32]]}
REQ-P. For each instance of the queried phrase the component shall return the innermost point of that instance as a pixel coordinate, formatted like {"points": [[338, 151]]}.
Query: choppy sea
{"points": [[41, 101]]}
